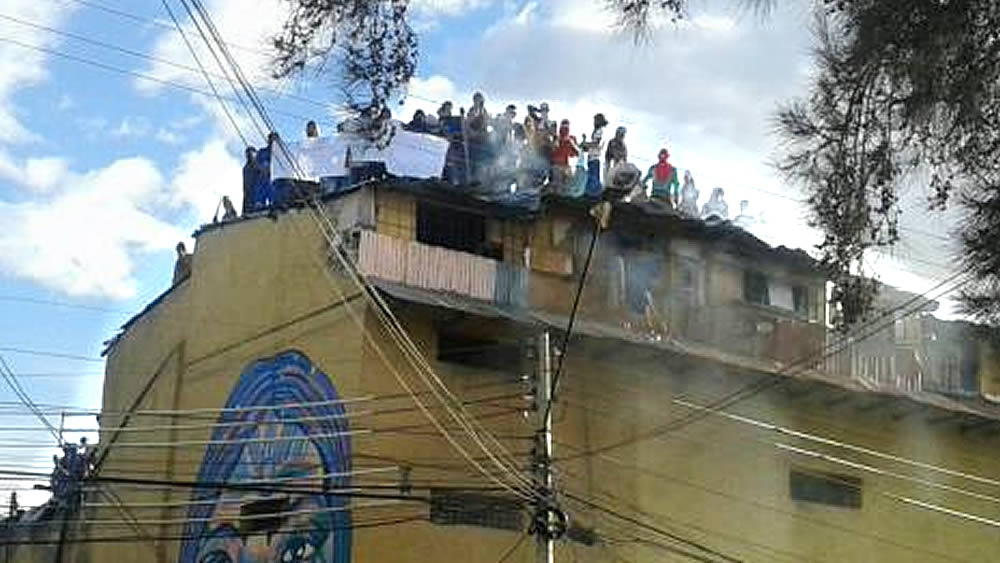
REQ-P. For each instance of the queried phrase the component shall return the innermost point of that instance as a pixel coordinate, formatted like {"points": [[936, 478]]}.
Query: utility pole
{"points": [[543, 451]]}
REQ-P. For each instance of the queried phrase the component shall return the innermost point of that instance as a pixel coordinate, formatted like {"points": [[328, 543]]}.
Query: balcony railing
{"points": [[431, 267]]}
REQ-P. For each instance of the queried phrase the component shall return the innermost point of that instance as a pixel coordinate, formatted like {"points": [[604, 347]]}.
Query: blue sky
{"points": [[102, 172]]}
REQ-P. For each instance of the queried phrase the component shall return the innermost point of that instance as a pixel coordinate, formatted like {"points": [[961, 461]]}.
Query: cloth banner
{"points": [[314, 158], [408, 155]]}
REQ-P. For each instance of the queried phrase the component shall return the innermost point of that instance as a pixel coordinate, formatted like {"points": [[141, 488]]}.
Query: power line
{"points": [[506, 555], [49, 354], [771, 380], [197, 60], [851, 532], [576, 305], [651, 528], [22, 395], [207, 535]]}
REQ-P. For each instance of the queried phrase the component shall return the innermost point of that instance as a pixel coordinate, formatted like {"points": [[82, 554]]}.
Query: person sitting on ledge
{"points": [[716, 209], [182, 267]]}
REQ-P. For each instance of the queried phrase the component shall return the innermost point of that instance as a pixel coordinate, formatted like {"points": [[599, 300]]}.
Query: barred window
{"points": [[454, 508], [825, 488]]}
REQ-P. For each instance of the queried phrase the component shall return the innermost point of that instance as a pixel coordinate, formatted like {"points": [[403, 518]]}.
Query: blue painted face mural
{"points": [[283, 439]]}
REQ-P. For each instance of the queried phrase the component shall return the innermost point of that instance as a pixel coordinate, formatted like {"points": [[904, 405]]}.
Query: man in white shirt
{"points": [[593, 150]]}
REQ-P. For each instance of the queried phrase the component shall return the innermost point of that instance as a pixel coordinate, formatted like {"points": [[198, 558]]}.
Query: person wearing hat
{"points": [[593, 150]]}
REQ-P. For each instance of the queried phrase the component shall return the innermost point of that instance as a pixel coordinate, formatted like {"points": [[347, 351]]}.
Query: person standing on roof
{"points": [[312, 130], [566, 147], [593, 150], [265, 188], [664, 177], [251, 181], [616, 154]]}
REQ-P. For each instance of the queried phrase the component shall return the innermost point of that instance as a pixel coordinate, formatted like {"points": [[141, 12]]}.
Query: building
{"points": [[266, 408]]}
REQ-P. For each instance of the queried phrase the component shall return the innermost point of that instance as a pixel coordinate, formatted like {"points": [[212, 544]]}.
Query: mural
{"points": [[285, 429]]}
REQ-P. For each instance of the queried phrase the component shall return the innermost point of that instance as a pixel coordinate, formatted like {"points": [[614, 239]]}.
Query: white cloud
{"points": [[21, 68], [169, 137], [132, 127], [448, 7], [44, 174], [204, 176], [36, 174], [66, 103], [83, 238], [245, 25]]}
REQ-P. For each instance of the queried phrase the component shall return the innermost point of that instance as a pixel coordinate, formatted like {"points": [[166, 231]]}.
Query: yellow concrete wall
{"points": [[259, 287]]}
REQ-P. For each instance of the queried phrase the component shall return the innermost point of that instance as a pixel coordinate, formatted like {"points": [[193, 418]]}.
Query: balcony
{"points": [[423, 266]]}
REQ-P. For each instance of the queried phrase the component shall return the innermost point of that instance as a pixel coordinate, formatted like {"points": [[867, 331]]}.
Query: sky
{"points": [[111, 152]]}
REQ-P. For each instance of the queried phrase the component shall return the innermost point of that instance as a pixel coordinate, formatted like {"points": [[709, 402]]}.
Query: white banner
{"points": [[409, 155]]}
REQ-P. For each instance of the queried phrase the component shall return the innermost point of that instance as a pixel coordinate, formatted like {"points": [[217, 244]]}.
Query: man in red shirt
{"points": [[565, 148]]}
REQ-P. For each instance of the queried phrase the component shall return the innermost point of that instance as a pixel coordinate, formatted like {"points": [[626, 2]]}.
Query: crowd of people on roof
{"points": [[537, 153], [260, 191], [70, 470], [501, 153]]}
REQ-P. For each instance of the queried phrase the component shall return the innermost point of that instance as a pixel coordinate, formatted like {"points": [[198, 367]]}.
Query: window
{"points": [[755, 288], [688, 281], [800, 299], [458, 348], [255, 516], [456, 229], [825, 488], [454, 508]]}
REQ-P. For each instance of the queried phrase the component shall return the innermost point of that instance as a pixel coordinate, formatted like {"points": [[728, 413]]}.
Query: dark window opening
{"points": [[458, 348], [581, 535], [800, 299], [453, 508], [825, 488], [455, 229], [255, 515], [755, 288], [688, 283]]}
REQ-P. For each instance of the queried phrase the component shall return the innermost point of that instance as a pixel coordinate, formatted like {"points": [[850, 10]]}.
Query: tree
{"points": [[906, 94], [369, 43]]}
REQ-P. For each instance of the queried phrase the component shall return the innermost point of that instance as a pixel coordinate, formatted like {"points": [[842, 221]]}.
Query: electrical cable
{"points": [[758, 506], [506, 555], [211, 85], [764, 383], [651, 528], [572, 318], [800, 451], [48, 353], [208, 535], [11, 379]]}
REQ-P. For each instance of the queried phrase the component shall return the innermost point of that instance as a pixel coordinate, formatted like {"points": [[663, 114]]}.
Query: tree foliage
{"points": [[369, 45], [904, 97]]}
